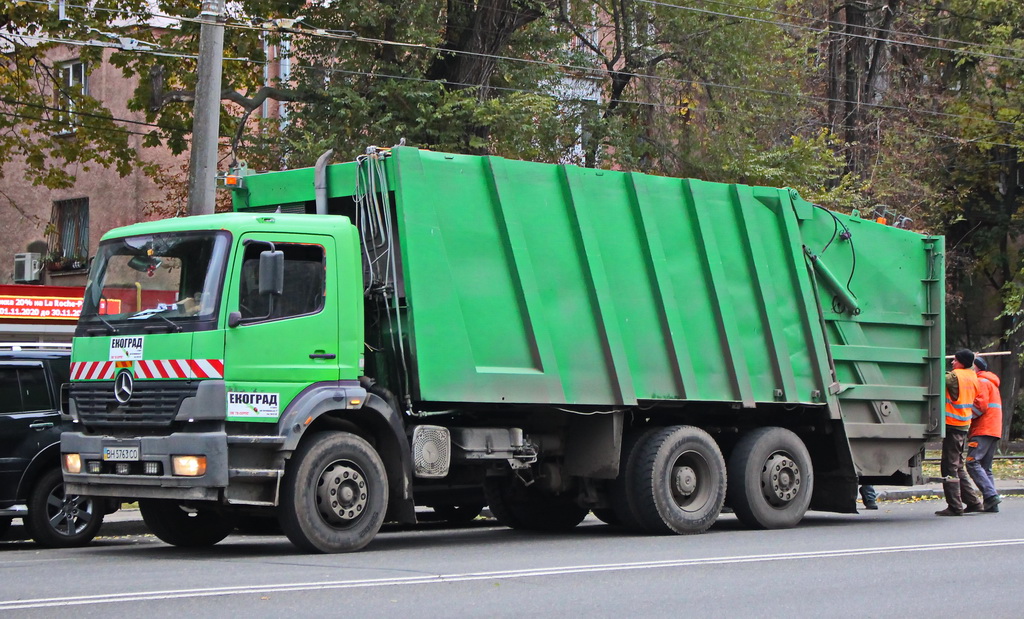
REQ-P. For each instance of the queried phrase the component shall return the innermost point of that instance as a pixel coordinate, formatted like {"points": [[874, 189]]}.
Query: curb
{"points": [[924, 493]]}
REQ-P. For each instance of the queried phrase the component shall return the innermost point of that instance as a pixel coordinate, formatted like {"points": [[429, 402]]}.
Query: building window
{"points": [[67, 242], [71, 84]]}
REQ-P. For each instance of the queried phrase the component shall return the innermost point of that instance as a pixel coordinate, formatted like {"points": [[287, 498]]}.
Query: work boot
{"points": [[992, 504], [951, 488], [870, 505], [974, 509], [949, 511]]}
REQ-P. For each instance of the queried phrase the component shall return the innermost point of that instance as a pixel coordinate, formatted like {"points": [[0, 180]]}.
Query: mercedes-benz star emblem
{"points": [[123, 385]]}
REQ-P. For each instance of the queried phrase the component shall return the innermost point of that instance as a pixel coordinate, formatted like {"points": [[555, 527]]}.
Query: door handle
{"points": [[42, 425], [321, 355]]}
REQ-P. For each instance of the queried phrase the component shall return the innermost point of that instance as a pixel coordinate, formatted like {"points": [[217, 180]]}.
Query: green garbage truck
{"points": [[359, 340]]}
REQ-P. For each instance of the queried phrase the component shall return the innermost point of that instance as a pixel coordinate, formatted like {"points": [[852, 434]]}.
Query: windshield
{"points": [[165, 281]]}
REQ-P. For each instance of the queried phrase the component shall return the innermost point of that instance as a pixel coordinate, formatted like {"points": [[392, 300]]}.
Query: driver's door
{"points": [[283, 344]]}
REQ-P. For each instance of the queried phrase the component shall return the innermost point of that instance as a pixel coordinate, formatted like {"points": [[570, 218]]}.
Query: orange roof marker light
{"points": [[234, 178]]}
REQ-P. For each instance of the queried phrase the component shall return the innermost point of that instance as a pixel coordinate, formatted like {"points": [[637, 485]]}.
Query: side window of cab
{"points": [[304, 281]]}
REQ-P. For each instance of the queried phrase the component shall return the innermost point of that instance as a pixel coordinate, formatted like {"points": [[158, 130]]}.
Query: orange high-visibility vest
{"points": [[990, 421], [958, 412]]}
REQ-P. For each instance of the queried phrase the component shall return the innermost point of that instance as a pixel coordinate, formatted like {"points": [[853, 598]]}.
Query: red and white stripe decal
{"points": [[164, 368], [92, 370], [180, 368]]}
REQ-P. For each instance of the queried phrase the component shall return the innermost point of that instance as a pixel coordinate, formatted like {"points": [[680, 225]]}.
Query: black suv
{"points": [[31, 485]]}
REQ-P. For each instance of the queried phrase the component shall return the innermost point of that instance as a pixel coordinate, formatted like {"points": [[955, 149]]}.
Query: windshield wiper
{"points": [[111, 329], [158, 312], [174, 325]]}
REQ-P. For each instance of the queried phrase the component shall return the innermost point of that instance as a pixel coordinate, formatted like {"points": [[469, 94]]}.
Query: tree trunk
{"points": [[475, 34], [1010, 366]]}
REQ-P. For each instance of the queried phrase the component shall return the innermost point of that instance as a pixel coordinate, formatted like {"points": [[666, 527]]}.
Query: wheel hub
{"points": [[685, 479], [780, 479], [66, 512], [341, 493], [688, 481]]}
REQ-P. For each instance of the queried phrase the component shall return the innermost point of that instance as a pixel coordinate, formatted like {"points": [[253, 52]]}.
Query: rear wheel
{"points": [[770, 479], [185, 526], [678, 482], [59, 520], [518, 506], [335, 494], [622, 502]]}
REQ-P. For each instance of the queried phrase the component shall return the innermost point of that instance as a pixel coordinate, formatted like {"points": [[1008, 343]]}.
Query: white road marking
{"points": [[171, 594]]}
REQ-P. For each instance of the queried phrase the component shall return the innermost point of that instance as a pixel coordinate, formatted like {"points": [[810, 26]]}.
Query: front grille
{"points": [[154, 403]]}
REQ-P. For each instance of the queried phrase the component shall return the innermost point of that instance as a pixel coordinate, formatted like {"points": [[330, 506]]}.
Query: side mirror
{"points": [[271, 272]]}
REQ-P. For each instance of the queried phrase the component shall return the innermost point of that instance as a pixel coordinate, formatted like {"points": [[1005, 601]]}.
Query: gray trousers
{"points": [[980, 451]]}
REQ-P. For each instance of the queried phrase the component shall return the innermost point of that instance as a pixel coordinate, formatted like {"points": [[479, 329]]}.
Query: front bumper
{"points": [[159, 449]]}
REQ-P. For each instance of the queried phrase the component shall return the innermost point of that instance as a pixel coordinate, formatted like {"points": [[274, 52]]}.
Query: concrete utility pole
{"points": [[202, 167]]}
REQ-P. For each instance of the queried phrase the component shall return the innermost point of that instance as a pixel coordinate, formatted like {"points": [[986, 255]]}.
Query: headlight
{"points": [[73, 463], [188, 466]]}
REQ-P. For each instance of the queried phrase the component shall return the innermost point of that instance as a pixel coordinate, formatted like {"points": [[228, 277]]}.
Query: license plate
{"points": [[120, 454]]}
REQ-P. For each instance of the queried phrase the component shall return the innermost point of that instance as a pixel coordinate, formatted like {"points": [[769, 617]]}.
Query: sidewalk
{"points": [[1006, 487]]}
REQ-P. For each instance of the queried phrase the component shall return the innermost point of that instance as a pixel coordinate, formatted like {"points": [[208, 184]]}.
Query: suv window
{"points": [[10, 391], [35, 394], [23, 390]]}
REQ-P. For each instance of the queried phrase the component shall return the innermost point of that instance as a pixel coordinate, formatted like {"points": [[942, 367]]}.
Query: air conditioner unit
{"points": [[27, 267]]}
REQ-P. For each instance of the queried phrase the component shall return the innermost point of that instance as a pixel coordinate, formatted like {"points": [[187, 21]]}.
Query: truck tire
{"points": [[622, 501], [183, 526], [678, 482], [335, 494], [522, 507], [770, 479], [59, 520]]}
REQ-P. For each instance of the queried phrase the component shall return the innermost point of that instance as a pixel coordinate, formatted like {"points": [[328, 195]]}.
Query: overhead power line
{"points": [[889, 32], [60, 123], [10, 101]]}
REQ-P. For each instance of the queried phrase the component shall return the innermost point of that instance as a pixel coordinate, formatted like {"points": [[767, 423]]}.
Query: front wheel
{"points": [[770, 479], [180, 525], [59, 520], [335, 494]]}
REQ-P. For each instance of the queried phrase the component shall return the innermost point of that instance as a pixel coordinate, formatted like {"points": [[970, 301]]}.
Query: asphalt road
{"points": [[899, 561]]}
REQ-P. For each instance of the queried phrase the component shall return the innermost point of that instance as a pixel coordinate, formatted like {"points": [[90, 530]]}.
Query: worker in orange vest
{"points": [[983, 437], [961, 389]]}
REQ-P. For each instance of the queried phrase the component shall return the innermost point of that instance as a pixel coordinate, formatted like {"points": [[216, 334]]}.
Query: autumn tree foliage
{"points": [[907, 110]]}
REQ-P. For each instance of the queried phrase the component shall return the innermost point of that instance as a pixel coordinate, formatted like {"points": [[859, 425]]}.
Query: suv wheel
{"points": [[59, 520]]}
